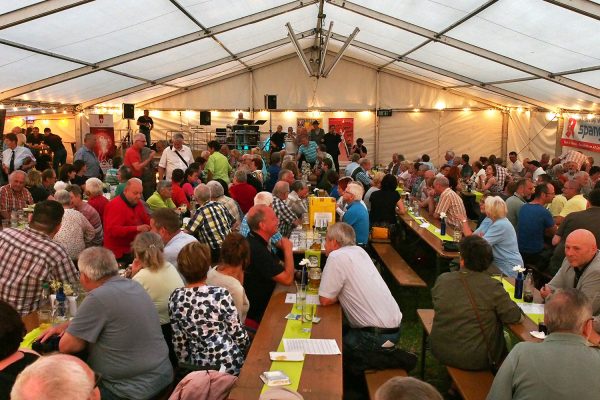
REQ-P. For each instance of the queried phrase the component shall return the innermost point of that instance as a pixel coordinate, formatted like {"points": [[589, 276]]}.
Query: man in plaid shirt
{"points": [[287, 218], [14, 196], [211, 222], [29, 257]]}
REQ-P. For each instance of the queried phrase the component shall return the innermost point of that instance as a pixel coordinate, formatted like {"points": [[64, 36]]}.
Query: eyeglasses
{"points": [[97, 379]]}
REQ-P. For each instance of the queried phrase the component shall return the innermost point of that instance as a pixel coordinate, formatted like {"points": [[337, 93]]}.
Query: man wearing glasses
{"points": [[133, 156]]}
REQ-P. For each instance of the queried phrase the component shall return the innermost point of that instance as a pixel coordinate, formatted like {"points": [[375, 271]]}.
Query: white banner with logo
{"points": [[582, 133]]}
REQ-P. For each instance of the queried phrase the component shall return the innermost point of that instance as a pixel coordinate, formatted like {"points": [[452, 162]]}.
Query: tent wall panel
{"points": [[410, 134], [530, 134]]}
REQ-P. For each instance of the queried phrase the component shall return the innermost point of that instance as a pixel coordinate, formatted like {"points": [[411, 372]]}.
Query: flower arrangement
{"points": [[67, 288], [305, 262], [518, 269], [442, 215]]}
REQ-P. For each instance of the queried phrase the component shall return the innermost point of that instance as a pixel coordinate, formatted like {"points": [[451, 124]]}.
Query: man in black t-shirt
{"points": [[265, 269], [59, 153], [359, 149], [146, 124], [277, 139], [332, 141]]}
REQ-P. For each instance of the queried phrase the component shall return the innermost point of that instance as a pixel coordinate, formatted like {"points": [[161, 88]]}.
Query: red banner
{"points": [[101, 125], [346, 127]]}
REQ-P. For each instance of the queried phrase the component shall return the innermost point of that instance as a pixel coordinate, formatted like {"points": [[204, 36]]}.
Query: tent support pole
{"points": [[377, 119], [559, 130], [504, 139]]}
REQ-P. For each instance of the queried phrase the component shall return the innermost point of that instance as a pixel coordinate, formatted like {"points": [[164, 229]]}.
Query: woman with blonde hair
{"points": [[497, 230], [158, 277], [377, 178], [207, 331]]}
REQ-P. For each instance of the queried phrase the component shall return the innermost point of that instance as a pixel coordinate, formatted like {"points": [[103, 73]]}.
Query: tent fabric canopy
{"points": [[535, 53]]}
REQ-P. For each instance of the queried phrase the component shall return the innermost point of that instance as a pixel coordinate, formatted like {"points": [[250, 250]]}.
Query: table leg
{"points": [[423, 352]]}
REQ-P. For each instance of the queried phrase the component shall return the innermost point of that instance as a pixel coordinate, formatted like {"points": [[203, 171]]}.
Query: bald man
{"points": [[580, 269], [56, 377]]}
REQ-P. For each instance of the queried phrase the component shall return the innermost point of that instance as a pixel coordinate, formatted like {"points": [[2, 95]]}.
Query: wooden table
{"points": [[432, 241], [522, 329], [322, 376]]}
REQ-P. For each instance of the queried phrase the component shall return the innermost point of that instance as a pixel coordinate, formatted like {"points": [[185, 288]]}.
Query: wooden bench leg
{"points": [[423, 352]]}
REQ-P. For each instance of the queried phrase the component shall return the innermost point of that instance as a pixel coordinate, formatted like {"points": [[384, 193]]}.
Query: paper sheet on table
{"points": [[310, 299], [532, 308], [424, 225], [312, 346]]}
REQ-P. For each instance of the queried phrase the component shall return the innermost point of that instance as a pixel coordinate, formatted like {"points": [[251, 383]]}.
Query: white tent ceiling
{"points": [[512, 52]]}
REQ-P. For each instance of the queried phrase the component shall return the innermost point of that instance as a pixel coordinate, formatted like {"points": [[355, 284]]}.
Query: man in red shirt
{"points": [[133, 156], [125, 217], [241, 191]]}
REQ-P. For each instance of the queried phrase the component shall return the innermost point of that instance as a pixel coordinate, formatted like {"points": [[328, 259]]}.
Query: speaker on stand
{"points": [[270, 104], [205, 117], [128, 114]]}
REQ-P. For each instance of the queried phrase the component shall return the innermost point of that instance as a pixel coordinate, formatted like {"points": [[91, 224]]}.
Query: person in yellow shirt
{"points": [[162, 197], [575, 200]]}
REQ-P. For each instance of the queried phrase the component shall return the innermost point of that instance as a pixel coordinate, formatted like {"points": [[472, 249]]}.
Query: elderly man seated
{"points": [[297, 198], [356, 214], [75, 233], [351, 278], [124, 217], [162, 198], [360, 174], [288, 220], [217, 193], [449, 202], [56, 377], [166, 223], [14, 196], [118, 324], [580, 268], [563, 366], [211, 222]]}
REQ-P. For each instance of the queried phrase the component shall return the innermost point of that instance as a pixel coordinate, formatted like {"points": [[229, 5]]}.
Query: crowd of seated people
{"points": [[207, 243]]}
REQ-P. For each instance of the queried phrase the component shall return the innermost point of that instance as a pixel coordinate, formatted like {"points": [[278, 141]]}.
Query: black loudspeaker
{"points": [[204, 117], [128, 111], [2, 118], [271, 101]]}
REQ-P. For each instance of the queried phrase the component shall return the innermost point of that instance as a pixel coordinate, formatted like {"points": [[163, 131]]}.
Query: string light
{"points": [[466, 109], [519, 109], [440, 105], [416, 110]]}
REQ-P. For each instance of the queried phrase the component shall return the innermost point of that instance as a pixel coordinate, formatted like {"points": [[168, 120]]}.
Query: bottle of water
{"points": [[528, 288]]}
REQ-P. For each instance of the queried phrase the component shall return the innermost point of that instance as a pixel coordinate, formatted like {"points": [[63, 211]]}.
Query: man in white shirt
{"points": [[165, 222], [536, 169], [350, 278], [16, 157], [177, 156], [515, 166]]}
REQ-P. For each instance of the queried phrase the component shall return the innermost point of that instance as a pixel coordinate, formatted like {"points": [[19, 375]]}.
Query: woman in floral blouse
{"points": [[206, 326]]}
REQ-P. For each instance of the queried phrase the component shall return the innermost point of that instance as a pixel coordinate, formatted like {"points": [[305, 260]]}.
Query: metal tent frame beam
{"points": [[458, 44], [431, 68], [339, 55], [169, 44], [200, 68], [38, 10], [583, 7]]}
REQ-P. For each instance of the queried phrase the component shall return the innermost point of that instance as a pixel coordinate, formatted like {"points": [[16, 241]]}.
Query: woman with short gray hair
{"points": [[75, 233], [94, 189]]}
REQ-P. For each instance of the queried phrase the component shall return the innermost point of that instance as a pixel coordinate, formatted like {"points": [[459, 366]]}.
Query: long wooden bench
{"points": [[377, 378], [472, 385], [400, 270]]}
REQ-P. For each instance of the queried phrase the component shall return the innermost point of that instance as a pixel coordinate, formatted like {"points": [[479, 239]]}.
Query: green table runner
{"points": [[510, 289], [294, 329], [431, 228], [478, 195]]}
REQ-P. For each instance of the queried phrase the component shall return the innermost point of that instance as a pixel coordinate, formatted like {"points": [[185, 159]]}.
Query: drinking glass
{"points": [[300, 296]]}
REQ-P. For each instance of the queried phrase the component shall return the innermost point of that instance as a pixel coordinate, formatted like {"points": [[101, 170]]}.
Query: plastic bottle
{"points": [[519, 286], [528, 288]]}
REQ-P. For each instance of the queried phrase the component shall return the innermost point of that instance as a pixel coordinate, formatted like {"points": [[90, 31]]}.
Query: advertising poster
{"points": [[582, 134], [346, 127], [102, 126], [307, 123]]}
